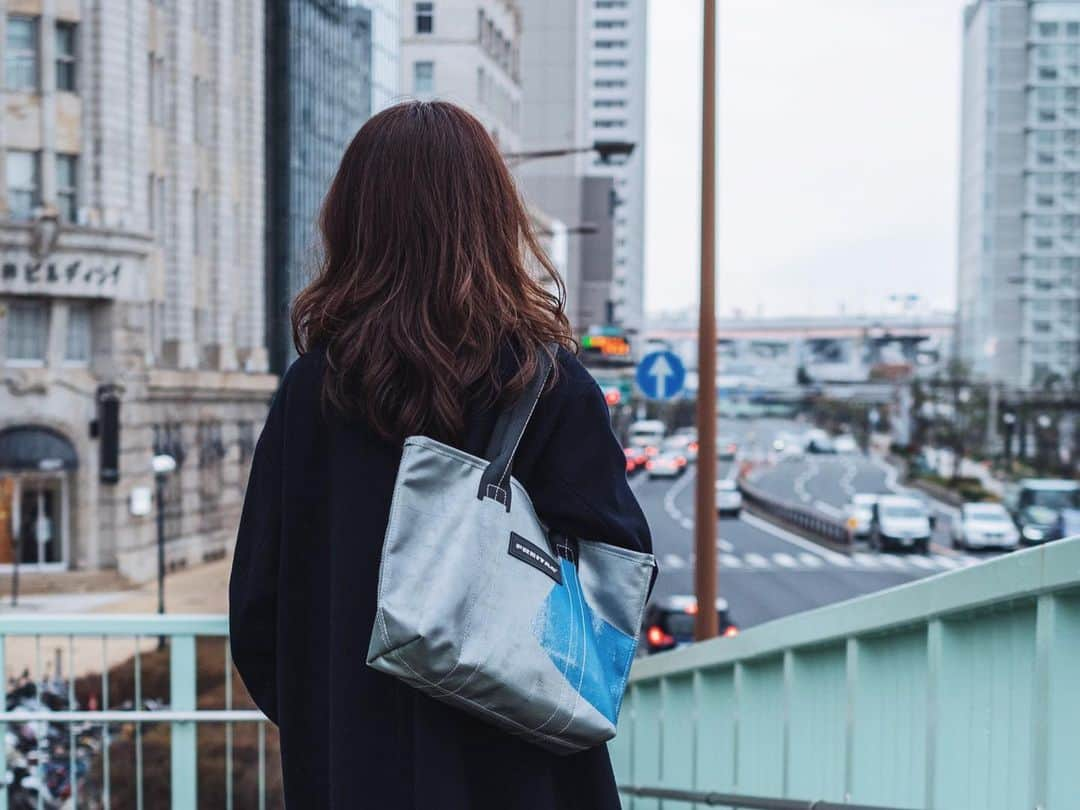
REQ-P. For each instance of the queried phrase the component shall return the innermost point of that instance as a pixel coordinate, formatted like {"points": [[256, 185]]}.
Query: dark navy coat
{"points": [[302, 603]]}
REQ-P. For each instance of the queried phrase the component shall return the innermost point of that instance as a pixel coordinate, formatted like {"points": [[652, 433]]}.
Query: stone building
{"points": [[131, 276]]}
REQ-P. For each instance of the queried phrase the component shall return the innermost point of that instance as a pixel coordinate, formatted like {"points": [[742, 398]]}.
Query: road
{"points": [[766, 572]]}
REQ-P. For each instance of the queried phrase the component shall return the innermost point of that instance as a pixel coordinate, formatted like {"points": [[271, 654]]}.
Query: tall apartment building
{"points": [[131, 276], [583, 81], [1018, 319], [319, 89], [615, 101], [467, 52]]}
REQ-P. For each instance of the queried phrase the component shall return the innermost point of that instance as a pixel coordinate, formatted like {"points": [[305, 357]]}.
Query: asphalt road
{"points": [[766, 572]]}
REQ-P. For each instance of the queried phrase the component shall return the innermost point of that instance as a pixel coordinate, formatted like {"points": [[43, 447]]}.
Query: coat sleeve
{"points": [[581, 472], [253, 583]]}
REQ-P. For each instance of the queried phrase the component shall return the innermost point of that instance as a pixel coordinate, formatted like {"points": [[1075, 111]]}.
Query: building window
{"points": [[67, 185], [23, 183], [157, 101], [481, 88], [196, 223], [423, 77], [77, 342], [21, 53], [65, 56], [27, 331], [609, 103], [610, 43], [610, 63], [610, 24], [425, 18]]}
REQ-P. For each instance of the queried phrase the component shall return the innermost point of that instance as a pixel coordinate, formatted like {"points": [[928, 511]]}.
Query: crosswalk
{"points": [[754, 561]]}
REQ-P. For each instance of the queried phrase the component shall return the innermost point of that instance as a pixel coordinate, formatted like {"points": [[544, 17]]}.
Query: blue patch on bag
{"points": [[594, 656]]}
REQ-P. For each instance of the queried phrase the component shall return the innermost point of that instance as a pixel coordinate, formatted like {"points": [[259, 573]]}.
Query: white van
{"points": [[900, 522], [647, 433]]}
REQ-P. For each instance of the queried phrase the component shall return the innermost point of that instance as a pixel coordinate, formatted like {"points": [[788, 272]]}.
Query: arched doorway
{"points": [[35, 472]]}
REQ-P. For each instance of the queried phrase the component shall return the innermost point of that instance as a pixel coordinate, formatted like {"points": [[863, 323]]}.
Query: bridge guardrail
{"points": [[803, 517], [87, 737], [953, 692]]}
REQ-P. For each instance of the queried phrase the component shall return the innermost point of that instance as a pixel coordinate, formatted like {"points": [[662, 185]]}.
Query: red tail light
{"points": [[649, 465], [658, 638], [680, 461], [651, 451], [630, 465], [731, 631], [693, 447]]}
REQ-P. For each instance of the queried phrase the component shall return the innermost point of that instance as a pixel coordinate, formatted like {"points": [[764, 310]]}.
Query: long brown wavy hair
{"points": [[424, 279]]}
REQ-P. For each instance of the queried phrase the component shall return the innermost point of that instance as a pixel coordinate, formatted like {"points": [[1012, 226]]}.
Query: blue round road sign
{"points": [[661, 375]]}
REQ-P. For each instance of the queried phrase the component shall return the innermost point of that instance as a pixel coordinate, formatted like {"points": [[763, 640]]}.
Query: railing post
{"points": [[851, 661], [935, 634], [3, 726], [1045, 636], [185, 764]]}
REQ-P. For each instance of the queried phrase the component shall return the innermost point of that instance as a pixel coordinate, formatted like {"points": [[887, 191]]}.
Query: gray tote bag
{"points": [[484, 608]]}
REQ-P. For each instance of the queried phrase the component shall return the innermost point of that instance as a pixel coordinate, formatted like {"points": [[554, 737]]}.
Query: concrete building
{"points": [[1018, 319], [385, 51], [615, 98], [583, 81], [467, 52], [131, 277], [319, 74]]}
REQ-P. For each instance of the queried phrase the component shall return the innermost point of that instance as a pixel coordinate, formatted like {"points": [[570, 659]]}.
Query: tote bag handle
{"points": [[509, 428]]}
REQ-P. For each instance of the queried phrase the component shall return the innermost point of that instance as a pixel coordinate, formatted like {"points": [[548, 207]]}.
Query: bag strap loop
{"points": [[509, 428]]}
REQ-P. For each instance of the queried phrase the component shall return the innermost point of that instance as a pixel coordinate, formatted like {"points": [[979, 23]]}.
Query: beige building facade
{"points": [[131, 277]]}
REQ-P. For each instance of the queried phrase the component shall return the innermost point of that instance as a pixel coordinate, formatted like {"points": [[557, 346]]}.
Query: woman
{"points": [[423, 319]]}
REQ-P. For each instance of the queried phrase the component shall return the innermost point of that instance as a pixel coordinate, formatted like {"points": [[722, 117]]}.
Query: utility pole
{"points": [[705, 623]]}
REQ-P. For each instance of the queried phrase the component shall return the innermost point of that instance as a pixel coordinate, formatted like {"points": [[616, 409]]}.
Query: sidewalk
{"points": [[203, 589]]}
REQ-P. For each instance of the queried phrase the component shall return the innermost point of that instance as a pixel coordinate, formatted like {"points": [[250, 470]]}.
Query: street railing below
{"points": [[65, 746], [952, 692], [797, 515]]}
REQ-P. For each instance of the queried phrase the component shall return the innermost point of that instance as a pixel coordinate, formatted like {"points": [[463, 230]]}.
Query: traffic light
{"points": [[613, 396]]}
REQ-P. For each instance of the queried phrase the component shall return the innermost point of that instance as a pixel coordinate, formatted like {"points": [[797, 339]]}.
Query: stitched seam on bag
{"points": [[384, 566], [517, 727]]}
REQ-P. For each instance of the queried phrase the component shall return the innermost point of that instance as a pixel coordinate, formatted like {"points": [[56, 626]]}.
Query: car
{"points": [[728, 498], [1037, 504], [859, 514], [635, 459], [681, 444], [899, 521], [788, 446], [669, 622], [985, 525], [845, 443], [647, 432], [665, 465], [818, 441], [726, 448]]}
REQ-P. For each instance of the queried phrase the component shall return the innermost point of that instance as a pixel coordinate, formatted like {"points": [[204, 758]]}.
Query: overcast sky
{"points": [[839, 128]]}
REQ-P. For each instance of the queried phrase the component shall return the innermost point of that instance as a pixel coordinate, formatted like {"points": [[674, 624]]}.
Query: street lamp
{"points": [[1008, 419], [163, 466], [606, 150]]}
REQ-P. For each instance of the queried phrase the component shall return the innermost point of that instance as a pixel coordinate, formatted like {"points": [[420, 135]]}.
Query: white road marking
{"points": [[920, 561], [724, 545], [784, 560], [686, 523], [893, 562], [789, 537], [814, 561], [730, 561], [851, 469], [804, 478], [756, 561], [946, 562], [866, 560]]}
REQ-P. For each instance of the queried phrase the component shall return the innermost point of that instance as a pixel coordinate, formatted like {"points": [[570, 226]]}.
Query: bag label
{"points": [[535, 556]]}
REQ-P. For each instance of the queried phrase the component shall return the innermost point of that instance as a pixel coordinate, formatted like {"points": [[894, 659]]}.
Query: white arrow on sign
{"points": [[660, 371]]}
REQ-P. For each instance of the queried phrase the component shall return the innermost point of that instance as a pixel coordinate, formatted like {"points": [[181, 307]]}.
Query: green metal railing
{"points": [[957, 692], [67, 633]]}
